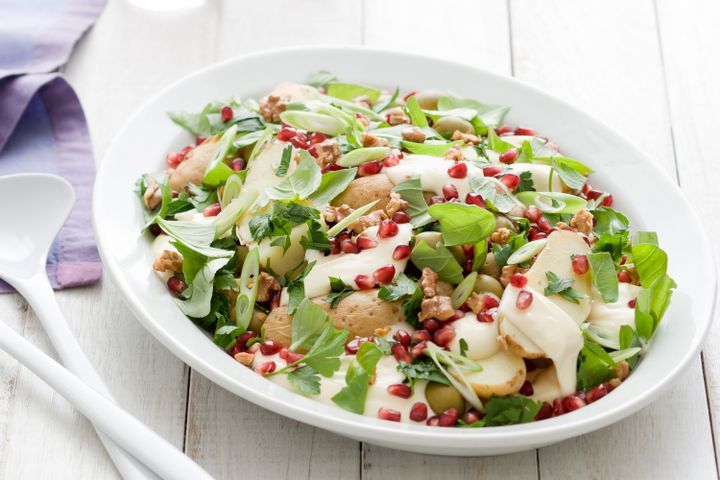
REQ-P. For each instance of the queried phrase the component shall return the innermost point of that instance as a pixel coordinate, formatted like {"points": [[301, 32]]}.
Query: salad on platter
{"points": [[404, 255]]}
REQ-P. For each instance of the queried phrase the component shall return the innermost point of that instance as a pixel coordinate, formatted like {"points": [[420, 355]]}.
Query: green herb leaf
{"points": [[284, 161], [411, 191], [570, 177], [340, 290], [488, 114], [332, 184], [403, 286], [350, 91], [562, 287], [380, 107], [462, 224], [411, 307], [430, 147], [307, 324], [526, 182], [497, 144], [510, 410], [495, 194], [439, 260], [415, 112], [596, 366], [198, 305], [296, 286], [217, 170], [320, 79], [604, 276], [423, 369], [316, 237], [609, 221], [301, 183], [357, 379], [650, 262], [323, 356], [305, 380]]}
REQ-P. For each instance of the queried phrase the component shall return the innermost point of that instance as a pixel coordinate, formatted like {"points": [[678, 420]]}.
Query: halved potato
{"points": [[192, 169], [361, 313], [519, 343], [503, 374], [481, 338], [364, 190], [556, 258], [545, 385]]}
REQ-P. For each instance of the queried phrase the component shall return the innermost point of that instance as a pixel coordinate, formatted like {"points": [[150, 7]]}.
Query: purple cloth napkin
{"points": [[42, 125]]}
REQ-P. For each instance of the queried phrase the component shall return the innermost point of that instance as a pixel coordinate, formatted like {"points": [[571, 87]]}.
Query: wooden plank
{"points": [[605, 58], [226, 434], [689, 39], [475, 33]]}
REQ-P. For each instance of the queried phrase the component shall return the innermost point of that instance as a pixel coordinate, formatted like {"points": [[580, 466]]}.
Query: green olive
{"points": [[490, 267], [428, 99], [257, 321], [503, 221], [446, 126], [487, 284], [429, 237], [443, 397]]}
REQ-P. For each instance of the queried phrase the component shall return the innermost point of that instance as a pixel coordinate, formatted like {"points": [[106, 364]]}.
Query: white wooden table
{"points": [[648, 68]]}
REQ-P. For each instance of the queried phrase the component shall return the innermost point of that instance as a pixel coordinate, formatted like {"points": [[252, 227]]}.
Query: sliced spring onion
{"points": [[340, 226], [230, 214], [454, 373], [552, 202], [463, 290], [314, 122], [601, 336], [217, 171], [527, 251], [621, 355], [261, 143], [249, 280], [232, 188], [362, 155]]}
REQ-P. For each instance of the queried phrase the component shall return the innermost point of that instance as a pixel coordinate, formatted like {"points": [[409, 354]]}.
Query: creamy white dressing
{"points": [[546, 387], [433, 173], [481, 337], [346, 266], [193, 216], [540, 175], [280, 260], [550, 328], [612, 316]]}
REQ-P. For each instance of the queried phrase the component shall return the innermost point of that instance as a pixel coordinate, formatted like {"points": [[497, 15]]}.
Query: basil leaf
{"points": [[488, 114], [626, 336], [350, 91], [609, 221], [596, 366], [645, 237], [305, 380], [604, 276], [495, 194], [357, 379], [497, 144], [650, 262], [415, 112], [439, 260], [332, 184], [402, 286], [510, 410], [568, 175], [430, 147], [462, 224], [651, 304], [301, 183], [411, 191], [320, 79]]}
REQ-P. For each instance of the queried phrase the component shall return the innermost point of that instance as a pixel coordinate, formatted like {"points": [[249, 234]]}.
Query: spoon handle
{"points": [[124, 429], [39, 294]]}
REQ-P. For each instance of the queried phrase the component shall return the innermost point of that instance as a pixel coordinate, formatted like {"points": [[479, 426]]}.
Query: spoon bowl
{"points": [[33, 208]]}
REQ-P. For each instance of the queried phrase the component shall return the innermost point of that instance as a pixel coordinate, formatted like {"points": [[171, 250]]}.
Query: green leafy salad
{"points": [[405, 255]]}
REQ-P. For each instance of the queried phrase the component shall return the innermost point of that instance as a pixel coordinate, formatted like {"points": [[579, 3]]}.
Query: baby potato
{"points": [[503, 374], [518, 343], [364, 190], [192, 169], [361, 313]]}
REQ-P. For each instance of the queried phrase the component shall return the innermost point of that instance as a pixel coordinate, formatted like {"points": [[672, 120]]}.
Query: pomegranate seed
{"points": [[389, 414], [558, 408], [199, 140], [409, 94], [384, 275], [369, 168], [448, 418], [313, 151], [607, 201], [387, 228], [533, 213], [268, 347], [283, 353], [316, 137], [418, 350], [444, 336], [226, 114], [400, 353], [237, 348], [546, 411], [580, 264], [334, 246], [573, 402], [623, 276], [450, 192], [431, 325], [176, 285], [285, 134], [238, 164], [490, 302], [459, 170], [300, 141], [401, 252], [519, 130], [364, 282], [623, 260], [544, 225], [418, 412], [518, 280], [343, 236], [401, 217], [433, 421], [348, 246], [475, 199], [185, 151], [436, 199], [174, 159], [293, 357], [492, 170], [524, 299], [486, 316], [403, 338], [468, 251], [330, 167], [511, 181], [353, 346], [509, 156], [399, 390], [265, 368], [419, 336], [526, 389], [391, 160], [596, 393], [365, 243], [275, 301], [538, 236], [245, 337], [593, 194], [503, 129], [472, 416], [212, 210], [632, 303]]}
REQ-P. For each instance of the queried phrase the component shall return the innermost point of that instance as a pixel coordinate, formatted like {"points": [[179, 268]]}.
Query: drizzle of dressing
{"points": [[193, 216], [540, 175], [612, 316], [481, 337], [545, 385], [550, 328], [433, 173]]}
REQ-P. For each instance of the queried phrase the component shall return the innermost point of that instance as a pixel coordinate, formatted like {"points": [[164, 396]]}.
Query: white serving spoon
{"points": [[33, 208]]}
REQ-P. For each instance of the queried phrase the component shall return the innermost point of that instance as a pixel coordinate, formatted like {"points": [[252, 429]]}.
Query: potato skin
{"points": [[361, 313], [364, 190], [192, 169]]}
